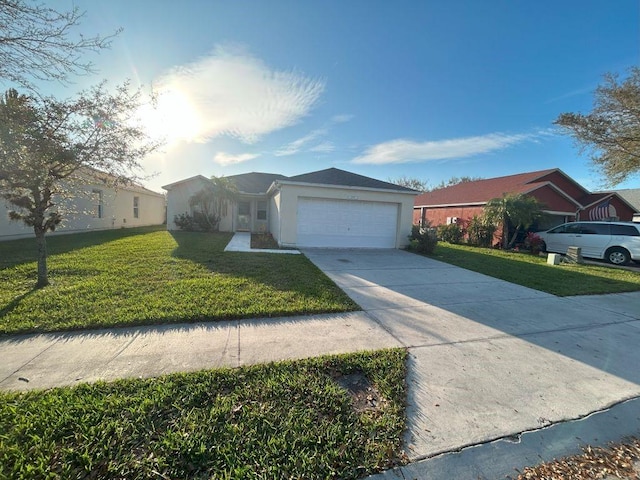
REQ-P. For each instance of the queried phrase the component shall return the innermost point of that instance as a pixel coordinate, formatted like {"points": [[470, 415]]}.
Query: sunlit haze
{"points": [[426, 89]]}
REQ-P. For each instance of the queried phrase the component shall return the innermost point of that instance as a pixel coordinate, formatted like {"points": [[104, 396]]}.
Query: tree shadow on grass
{"points": [[291, 273], [25, 250], [13, 304]]}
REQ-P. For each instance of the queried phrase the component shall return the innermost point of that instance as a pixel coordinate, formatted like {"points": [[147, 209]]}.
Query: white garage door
{"points": [[346, 223]]}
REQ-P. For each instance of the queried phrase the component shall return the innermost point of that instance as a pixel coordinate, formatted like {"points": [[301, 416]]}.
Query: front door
{"points": [[244, 216]]}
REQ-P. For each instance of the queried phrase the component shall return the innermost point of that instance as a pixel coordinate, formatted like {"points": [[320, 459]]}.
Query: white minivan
{"points": [[616, 242]]}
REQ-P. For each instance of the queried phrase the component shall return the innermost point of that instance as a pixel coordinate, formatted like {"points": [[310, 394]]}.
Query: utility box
{"points": [[574, 255], [554, 258]]}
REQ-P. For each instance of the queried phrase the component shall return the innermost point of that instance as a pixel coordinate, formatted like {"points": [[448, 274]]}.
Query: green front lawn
{"points": [[149, 275], [532, 271], [283, 420]]}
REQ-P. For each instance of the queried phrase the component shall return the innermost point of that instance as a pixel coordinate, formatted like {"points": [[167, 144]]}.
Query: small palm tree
{"points": [[521, 210], [211, 202]]}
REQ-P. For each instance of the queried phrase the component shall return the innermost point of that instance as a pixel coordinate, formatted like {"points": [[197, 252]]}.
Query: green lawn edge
{"points": [[143, 276], [533, 271], [280, 420]]}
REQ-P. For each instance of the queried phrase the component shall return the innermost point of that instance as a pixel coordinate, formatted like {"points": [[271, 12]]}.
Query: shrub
{"points": [[423, 239], [480, 232], [197, 222], [450, 233], [533, 242]]}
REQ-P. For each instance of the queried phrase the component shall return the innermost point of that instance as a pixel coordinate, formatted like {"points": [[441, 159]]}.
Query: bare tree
{"points": [[611, 132], [410, 182], [38, 42], [455, 181], [46, 143]]}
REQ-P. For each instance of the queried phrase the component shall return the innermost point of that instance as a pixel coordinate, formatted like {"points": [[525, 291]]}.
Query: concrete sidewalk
{"points": [[49, 360], [241, 242]]}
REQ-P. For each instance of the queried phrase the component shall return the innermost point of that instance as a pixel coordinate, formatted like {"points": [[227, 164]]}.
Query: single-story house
{"points": [[632, 196], [326, 208], [564, 200], [94, 205]]}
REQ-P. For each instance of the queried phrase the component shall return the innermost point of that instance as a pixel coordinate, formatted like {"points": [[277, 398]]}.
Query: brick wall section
{"points": [[438, 216]]}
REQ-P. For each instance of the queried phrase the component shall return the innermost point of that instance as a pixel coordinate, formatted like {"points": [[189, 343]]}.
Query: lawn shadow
{"points": [[25, 250], [9, 307], [286, 273]]}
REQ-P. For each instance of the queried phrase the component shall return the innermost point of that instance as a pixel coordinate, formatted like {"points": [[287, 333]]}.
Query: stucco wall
{"points": [[80, 212], [178, 199], [622, 211], [274, 215], [553, 201], [567, 186], [288, 212]]}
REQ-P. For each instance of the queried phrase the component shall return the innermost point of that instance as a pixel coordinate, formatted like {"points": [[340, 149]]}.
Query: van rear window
{"points": [[626, 230]]}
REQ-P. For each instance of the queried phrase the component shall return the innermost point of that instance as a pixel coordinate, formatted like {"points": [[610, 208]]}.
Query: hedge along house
{"points": [[563, 200], [327, 208], [92, 204]]}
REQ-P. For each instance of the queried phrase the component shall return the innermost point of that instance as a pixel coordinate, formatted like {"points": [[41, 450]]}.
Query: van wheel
{"points": [[618, 256]]}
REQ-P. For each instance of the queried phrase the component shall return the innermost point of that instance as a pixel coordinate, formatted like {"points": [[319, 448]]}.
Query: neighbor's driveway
{"points": [[490, 359]]}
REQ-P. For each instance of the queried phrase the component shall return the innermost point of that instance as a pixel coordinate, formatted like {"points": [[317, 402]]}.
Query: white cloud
{"points": [[345, 117], [297, 145], [232, 93], [324, 147], [301, 143], [408, 151], [223, 158]]}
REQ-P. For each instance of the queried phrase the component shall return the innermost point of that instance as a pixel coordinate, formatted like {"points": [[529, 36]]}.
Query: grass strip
{"points": [[151, 276], [281, 420], [533, 271]]}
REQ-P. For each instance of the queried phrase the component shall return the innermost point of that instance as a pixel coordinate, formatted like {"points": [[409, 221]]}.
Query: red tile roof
{"points": [[481, 191]]}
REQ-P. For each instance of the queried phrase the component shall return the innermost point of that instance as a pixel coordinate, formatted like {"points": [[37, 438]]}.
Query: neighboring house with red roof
{"points": [[563, 199], [632, 196]]}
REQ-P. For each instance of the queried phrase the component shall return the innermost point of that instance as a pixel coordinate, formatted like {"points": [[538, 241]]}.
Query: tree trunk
{"points": [[43, 277], [515, 235], [505, 232]]}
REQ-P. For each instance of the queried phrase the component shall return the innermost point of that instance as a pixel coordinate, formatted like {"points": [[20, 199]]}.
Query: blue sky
{"points": [[427, 89]]}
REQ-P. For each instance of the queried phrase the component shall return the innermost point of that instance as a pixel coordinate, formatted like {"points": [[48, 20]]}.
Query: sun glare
{"points": [[172, 117]]}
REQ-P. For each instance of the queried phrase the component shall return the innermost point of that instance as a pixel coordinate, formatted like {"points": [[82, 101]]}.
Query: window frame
{"points": [[260, 210], [136, 207], [98, 203]]}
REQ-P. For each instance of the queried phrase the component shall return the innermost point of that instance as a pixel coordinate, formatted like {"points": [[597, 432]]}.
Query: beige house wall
{"points": [[288, 211], [84, 211], [275, 204], [178, 199]]}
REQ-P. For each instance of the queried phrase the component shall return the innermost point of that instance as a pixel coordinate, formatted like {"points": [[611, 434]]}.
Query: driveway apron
{"points": [[489, 359]]}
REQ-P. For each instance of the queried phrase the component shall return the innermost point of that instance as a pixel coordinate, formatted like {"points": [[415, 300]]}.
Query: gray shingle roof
{"points": [[632, 196], [255, 182], [335, 176]]}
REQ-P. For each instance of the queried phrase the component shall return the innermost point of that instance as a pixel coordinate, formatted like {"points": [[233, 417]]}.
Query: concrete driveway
{"points": [[490, 359]]}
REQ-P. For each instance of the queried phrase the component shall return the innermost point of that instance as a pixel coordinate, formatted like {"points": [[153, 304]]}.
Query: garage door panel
{"points": [[346, 223]]}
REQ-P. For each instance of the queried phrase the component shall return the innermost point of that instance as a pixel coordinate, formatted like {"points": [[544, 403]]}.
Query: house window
{"points": [[96, 200], [262, 211], [136, 204]]}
